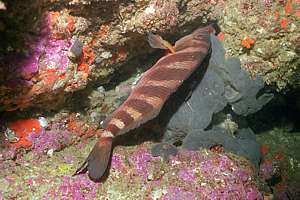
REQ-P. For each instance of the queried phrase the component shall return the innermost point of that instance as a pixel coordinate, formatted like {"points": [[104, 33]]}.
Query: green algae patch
{"points": [[64, 169]]}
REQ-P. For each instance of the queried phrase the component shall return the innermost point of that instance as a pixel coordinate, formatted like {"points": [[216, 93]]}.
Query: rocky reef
{"points": [[75, 44], [265, 35], [80, 43], [65, 65], [134, 174]]}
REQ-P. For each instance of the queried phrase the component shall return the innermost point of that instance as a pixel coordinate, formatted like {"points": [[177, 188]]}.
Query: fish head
{"points": [[195, 39]]}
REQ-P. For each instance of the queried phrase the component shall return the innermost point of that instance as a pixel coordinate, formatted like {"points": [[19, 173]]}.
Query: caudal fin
{"points": [[98, 159]]}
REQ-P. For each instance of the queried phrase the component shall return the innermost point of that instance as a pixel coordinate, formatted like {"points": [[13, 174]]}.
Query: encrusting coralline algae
{"points": [[84, 43]]}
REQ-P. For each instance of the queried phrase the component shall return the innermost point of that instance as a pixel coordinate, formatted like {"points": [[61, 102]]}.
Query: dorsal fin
{"points": [[156, 41]]}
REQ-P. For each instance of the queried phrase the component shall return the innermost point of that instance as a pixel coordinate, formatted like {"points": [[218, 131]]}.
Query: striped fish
{"points": [[150, 94]]}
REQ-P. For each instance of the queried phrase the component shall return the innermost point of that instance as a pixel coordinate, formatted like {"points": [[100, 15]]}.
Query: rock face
{"points": [[111, 33], [274, 29], [69, 44], [223, 83]]}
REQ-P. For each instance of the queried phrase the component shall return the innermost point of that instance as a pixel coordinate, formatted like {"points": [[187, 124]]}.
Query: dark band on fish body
{"points": [[202, 36], [112, 128], [124, 117], [153, 91], [178, 57], [169, 74], [192, 41], [139, 105], [201, 46]]}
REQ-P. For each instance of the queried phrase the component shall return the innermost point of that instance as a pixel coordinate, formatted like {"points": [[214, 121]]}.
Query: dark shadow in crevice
{"points": [[282, 111]]}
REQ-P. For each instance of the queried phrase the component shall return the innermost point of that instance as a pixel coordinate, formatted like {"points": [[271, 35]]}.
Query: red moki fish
{"points": [[149, 95]]}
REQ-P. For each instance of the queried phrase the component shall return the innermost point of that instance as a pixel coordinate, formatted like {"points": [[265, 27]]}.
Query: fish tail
{"points": [[98, 159]]}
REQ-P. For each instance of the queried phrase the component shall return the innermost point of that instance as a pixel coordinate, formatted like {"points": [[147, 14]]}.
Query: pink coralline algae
{"points": [[117, 162], [56, 54], [79, 188], [177, 193], [231, 185], [43, 50], [211, 177], [54, 139], [27, 65], [141, 161], [40, 67], [187, 175], [7, 153], [267, 3]]}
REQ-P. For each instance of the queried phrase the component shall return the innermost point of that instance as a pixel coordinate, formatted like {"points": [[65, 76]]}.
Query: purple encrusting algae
{"points": [[54, 139], [187, 175], [79, 188], [117, 162], [141, 160], [177, 193], [135, 174], [211, 177], [56, 54], [44, 52]]}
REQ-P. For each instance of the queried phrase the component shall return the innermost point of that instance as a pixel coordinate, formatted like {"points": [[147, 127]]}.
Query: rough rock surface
{"points": [[41, 68], [113, 33], [273, 28], [134, 174], [49, 64]]}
